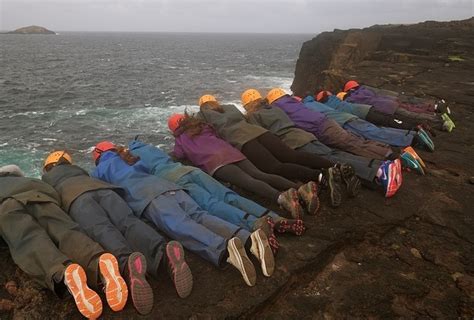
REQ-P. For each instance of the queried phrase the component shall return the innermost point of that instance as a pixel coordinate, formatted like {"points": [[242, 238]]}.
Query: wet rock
{"points": [[11, 288], [6, 305]]}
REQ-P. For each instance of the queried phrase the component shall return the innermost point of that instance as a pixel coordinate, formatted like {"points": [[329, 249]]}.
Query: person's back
{"points": [[231, 124], [70, 181], [366, 96], [303, 118], [160, 163], [141, 187], [340, 117], [277, 121], [26, 189], [205, 150], [357, 109]]}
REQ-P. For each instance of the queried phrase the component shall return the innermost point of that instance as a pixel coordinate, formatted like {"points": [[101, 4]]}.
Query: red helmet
{"points": [[322, 95], [174, 120], [350, 85], [100, 148]]}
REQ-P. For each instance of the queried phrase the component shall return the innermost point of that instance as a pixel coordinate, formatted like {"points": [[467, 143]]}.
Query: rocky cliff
{"points": [[424, 58], [32, 30], [410, 256]]}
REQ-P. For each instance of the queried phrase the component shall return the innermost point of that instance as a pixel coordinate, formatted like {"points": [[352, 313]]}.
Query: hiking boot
{"points": [[116, 292], [350, 179], [331, 179], [442, 107], [239, 259], [178, 269], [290, 226], [87, 301], [267, 225], [389, 178], [140, 290], [410, 162], [289, 201], [448, 124], [415, 155], [423, 139], [261, 250], [309, 194]]}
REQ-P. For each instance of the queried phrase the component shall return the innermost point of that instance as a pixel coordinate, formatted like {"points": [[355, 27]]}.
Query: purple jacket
{"points": [[366, 96], [206, 150], [304, 118]]}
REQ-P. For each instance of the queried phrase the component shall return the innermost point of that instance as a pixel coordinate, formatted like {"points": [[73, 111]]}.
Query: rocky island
{"points": [[32, 30], [410, 256]]}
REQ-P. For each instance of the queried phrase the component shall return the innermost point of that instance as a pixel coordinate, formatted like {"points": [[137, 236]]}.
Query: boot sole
{"points": [[87, 301], [182, 276], [264, 252], [140, 290]]}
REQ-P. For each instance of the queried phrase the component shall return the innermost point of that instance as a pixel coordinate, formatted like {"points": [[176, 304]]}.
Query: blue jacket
{"points": [[340, 117], [357, 109], [159, 162], [141, 187]]}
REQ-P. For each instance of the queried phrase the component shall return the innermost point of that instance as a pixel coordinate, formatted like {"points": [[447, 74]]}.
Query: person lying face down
{"points": [[327, 130], [367, 112], [390, 105], [213, 196], [175, 213], [367, 130], [278, 122], [105, 217], [197, 141], [411, 103], [261, 147], [48, 245]]}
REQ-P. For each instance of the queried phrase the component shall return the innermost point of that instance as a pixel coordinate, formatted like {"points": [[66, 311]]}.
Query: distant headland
{"points": [[31, 30]]}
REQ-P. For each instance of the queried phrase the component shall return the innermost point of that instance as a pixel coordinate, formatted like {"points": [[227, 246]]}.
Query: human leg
{"points": [[334, 136], [365, 168], [367, 130], [287, 155], [66, 234], [233, 174], [139, 235], [264, 160], [214, 206]]}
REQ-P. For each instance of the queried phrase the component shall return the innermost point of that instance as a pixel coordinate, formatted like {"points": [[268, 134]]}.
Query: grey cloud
{"points": [[278, 16]]}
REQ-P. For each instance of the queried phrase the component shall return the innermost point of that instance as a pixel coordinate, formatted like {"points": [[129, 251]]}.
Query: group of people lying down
{"points": [[77, 232]]}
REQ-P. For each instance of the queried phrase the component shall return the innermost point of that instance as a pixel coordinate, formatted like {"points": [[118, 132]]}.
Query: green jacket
{"points": [[27, 190], [231, 125], [278, 123], [71, 181]]}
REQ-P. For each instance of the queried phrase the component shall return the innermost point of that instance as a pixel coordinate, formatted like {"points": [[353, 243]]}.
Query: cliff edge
{"points": [[399, 57], [409, 257]]}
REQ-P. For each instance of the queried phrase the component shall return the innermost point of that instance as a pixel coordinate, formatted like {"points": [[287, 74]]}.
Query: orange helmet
{"points": [[55, 156], [174, 120], [206, 98], [341, 95], [350, 85], [249, 96], [274, 94], [100, 148], [322, 95]]}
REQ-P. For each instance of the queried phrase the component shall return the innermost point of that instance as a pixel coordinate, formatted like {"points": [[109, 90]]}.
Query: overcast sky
{"points": [[266, 16]]}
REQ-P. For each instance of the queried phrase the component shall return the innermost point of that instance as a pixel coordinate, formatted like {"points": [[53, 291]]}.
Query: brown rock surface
{"points": [[411, 256]]}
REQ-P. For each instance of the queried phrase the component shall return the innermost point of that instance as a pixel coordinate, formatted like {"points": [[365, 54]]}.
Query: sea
{"points": [[72, 90]]}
